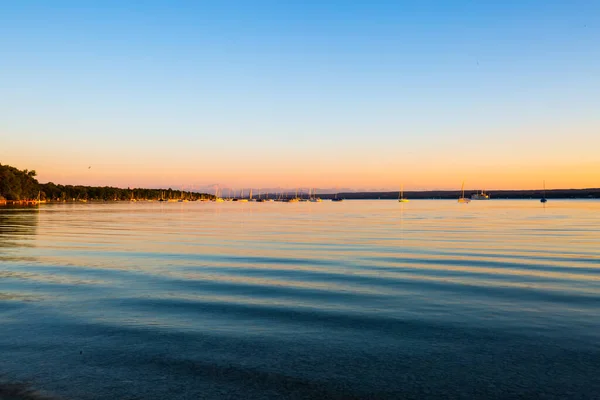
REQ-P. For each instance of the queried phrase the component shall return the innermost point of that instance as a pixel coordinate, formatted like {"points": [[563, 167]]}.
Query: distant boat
{"points": [[218, 198], [300, 198], [313, 196], [296, 198], [401, 197], [462, 198], [544, 199], [480, 196], [260, 199], [182, 199]]}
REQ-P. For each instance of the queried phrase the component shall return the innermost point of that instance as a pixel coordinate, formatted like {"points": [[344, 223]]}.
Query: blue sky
{"points": [[267, 93]]}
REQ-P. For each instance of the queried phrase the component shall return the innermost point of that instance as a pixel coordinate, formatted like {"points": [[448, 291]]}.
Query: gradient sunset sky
{"points": [[362, 95]]}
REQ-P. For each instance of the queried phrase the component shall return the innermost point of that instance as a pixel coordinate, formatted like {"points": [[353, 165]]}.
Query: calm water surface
{"points": [[359, 299]]}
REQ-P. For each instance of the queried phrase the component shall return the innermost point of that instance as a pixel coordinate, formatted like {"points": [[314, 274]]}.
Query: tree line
{"points": [[17, 185]]}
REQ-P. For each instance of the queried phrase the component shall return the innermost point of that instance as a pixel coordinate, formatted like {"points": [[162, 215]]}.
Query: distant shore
{"points": [[416, 195], [593, 193]]}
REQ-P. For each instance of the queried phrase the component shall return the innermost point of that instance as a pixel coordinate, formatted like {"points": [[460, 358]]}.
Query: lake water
{"points": [[358, 299]]}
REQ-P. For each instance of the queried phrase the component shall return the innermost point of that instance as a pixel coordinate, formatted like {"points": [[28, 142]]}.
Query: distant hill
{"points": [[454, 194]]}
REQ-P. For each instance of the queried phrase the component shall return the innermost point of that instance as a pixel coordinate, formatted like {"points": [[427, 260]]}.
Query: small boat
{"points": [[218, 198], [241, 199], [313, 196], [462, 199], [300, 198], [294, 199], [544, 199], [480, 196], [260, 199], [401, 197], [336, 198]]}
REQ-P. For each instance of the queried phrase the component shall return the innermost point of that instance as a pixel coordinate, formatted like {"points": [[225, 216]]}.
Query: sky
{"points": [[361, 95]]}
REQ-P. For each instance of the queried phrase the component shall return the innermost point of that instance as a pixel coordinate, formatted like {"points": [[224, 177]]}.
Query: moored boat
{"points": [[462, 199], [401, 197], [544, 199], [480, 196]]}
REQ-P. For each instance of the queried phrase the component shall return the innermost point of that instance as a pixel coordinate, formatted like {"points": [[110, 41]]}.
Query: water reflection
{"points": [[18, 226], [303, 300]]}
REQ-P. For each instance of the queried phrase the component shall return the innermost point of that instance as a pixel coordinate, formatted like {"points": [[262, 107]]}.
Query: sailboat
{"points": [[218, 198], [301, 198], [480, 196], [544, 199], [313, 196], [294, 199], [242, 199], [260, 199], [336, 198], [462, 198], [401, 197]]}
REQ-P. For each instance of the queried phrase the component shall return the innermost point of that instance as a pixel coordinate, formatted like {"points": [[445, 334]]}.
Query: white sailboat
{"points": [[462, 198], [313, 196], [401, 197], [218, 198]]}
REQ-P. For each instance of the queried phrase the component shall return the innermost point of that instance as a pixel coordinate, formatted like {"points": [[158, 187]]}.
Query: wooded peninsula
{"points": [[17, 186]]}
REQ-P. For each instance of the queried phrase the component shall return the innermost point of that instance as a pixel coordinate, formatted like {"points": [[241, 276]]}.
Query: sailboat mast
{"points": [[544, 188]]}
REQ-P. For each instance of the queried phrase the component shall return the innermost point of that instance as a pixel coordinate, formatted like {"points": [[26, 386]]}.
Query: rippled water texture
{"points": [[365, 299]]}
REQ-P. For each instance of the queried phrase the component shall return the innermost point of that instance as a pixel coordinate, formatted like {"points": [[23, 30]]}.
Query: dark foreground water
{"points": [[359, 299]]}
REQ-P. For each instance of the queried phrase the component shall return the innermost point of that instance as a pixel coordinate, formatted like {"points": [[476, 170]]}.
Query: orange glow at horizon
{"points": [[495, 162], [360, 177]]}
